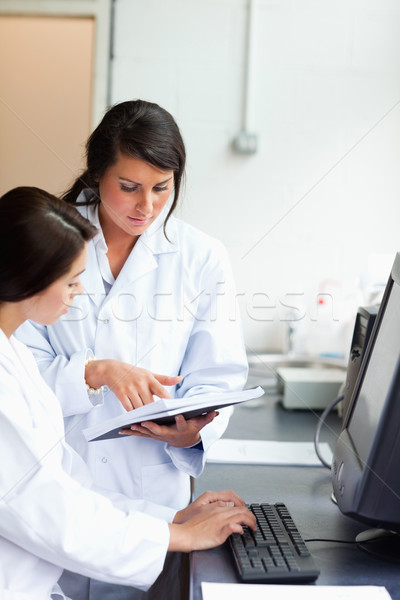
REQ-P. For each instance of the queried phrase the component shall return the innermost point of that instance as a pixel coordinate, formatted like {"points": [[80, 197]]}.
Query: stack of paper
{"points": [[265, 452], [164, 411], [216, 591]]}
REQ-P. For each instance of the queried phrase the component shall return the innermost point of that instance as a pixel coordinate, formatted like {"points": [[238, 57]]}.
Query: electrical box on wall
{"points": [[245, 143]]}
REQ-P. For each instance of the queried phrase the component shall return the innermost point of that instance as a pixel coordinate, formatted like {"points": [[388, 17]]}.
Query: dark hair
{"points": [[139, 129], [40, 237]]}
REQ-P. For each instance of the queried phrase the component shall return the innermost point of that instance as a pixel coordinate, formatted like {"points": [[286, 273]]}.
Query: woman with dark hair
{"points": [[51, 517], [159, 310], [138, 129]]}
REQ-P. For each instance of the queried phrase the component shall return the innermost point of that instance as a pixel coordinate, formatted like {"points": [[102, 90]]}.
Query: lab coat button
{"points": [[104, 460], [106, 321]]}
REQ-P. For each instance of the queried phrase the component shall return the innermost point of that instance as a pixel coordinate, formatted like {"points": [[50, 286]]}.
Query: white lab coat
{"points": [[172, 310], [50, 518]]}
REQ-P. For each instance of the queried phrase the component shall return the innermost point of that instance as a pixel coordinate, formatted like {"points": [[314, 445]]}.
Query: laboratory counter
{"points": [[305, 490]]}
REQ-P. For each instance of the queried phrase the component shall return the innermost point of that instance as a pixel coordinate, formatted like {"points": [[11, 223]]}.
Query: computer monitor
{"points": [[366, 461]]}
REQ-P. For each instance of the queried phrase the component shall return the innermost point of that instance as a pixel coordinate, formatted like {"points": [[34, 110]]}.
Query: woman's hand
{"points": [[206, 501], [133, 386], [215, 517], [181, 435]]}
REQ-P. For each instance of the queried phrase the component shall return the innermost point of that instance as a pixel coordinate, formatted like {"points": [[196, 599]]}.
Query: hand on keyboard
{"points": [[209, 521]]}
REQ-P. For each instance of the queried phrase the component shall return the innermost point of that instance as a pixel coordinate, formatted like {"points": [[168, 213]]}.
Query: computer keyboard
{"points": [[275, 552]]}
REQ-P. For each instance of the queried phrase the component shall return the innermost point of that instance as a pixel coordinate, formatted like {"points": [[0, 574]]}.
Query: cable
{"points": [[319, 427], [329, 540]]}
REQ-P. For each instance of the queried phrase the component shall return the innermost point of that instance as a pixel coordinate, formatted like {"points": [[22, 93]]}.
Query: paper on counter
{"points": [[238, 591], [263, 452]]}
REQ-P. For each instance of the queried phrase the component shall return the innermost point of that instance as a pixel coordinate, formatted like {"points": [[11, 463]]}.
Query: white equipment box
{"points": [[309, 388]]}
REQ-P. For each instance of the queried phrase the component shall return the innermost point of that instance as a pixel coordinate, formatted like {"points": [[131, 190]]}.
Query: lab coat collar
{"points": [[91, 278], [25, 370], [141, 260], [4, 344], [144, 256], [93, 216]]}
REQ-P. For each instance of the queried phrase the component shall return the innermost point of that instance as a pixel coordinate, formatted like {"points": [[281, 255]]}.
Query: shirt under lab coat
{"points": [[171, 310], [50, 519]]}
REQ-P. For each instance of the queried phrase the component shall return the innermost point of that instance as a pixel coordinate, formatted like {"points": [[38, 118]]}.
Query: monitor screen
{"points": [[365, 473], [366, 412]]}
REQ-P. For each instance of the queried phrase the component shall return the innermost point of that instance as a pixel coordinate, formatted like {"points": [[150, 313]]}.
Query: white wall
{"points": [[310, 211]]}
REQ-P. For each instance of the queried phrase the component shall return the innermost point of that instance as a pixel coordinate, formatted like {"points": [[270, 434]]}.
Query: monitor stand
{"points": [[382, 543]]}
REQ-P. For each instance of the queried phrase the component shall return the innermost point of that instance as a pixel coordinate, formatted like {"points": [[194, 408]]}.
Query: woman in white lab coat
{"points": [[159, 299], [51, 517]]}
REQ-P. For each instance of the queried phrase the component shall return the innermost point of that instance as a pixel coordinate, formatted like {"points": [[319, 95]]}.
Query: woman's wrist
{"points": [[93, 387], [179, 538]]}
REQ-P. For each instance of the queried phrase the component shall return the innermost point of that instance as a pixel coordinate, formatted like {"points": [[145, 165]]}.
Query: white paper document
{"points": [[264, 452], [164, 410], [238, 591]]}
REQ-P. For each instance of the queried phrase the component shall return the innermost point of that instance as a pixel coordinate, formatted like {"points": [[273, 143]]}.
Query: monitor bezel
{"points": [[363, 491]]}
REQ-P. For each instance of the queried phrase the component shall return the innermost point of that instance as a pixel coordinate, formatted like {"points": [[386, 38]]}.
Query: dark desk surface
{"points": [[305, 490]]}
